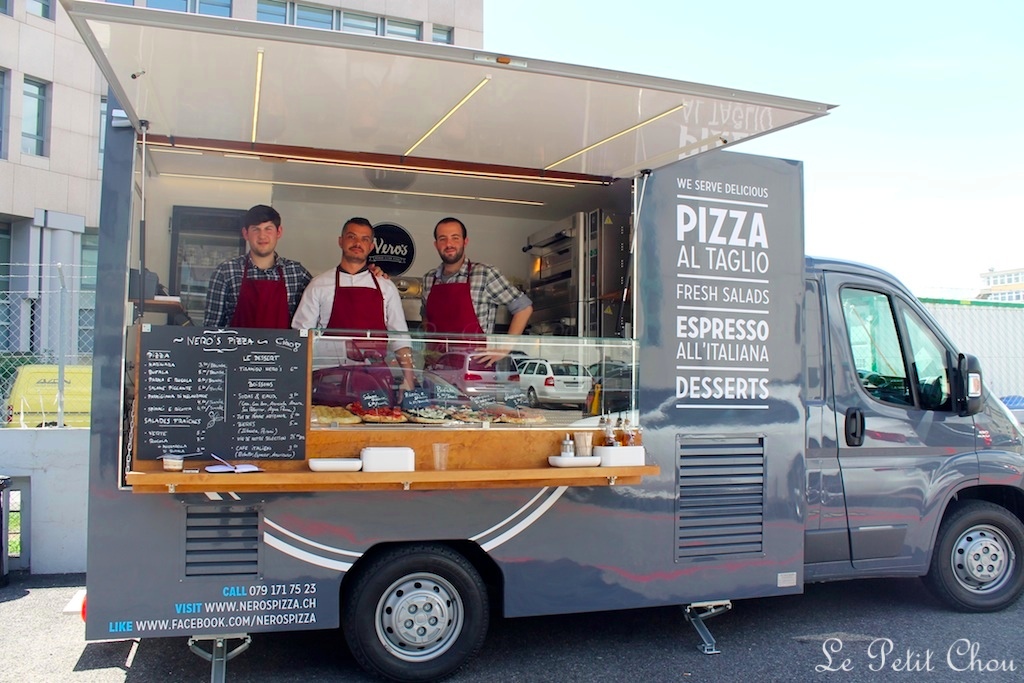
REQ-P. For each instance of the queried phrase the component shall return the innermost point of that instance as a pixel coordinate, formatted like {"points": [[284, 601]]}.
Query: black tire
{"points": [[531, 396], [993, 538], [416, 583]]}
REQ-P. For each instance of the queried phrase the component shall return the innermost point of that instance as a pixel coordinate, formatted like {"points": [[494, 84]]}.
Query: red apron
{"points": [[359, 308], [450, 311], [262, 303]]}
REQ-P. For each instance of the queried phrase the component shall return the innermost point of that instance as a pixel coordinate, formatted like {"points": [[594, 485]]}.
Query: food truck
{"points": [[793, 420]]}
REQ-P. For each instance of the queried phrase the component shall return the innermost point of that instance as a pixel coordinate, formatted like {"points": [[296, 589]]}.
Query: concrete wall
{"points": [[55, 463]]}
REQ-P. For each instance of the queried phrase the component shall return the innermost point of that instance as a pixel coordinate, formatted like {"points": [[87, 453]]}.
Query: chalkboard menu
{"points": [[240, 394]]}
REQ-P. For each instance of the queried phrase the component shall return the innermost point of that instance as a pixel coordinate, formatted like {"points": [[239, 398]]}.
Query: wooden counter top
{"points": [[420, 480]]}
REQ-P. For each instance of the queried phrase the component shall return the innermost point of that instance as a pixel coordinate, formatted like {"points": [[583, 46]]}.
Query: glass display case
{"points": [[419, 378]]}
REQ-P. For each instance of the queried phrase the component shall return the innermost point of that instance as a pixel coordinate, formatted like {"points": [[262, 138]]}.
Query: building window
{"points": [[172, 5], [87, 295], [407, 30], [359, 23], [3, 113], [6, 342], [121, 2], [216, 8], [443, 34], [33, 122], [5, 7], [40, 8], [272, 11], [103, 128], [314, 17]]}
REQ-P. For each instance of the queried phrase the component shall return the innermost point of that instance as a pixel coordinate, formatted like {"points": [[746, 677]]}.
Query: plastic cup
{"points": [[584, 443], [440, 456], [173, 464]]}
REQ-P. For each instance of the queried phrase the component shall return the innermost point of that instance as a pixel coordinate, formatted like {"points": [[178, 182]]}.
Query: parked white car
{"points": [[549, 382]]}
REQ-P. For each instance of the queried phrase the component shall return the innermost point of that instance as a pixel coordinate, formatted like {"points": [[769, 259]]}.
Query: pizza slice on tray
{"points": [[381, 415]]}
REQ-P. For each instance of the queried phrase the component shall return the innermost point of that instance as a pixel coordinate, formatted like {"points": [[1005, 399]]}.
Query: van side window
{"points": [[875, 345], [928, 364]]}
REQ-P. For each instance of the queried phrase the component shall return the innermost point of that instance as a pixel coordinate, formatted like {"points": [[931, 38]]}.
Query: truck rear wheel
{"points": [[416, 613], [978, 562]]}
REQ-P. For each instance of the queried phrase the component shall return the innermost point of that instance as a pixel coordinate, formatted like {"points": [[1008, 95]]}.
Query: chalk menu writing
{"points": [[723, 292], [238, 393]]}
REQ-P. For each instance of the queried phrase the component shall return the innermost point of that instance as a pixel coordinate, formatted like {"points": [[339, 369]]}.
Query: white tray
{"points": [[335, 464], [562, 461]]}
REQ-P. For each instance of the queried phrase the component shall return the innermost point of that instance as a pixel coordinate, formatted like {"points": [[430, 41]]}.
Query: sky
{"points": [[919, 169]]}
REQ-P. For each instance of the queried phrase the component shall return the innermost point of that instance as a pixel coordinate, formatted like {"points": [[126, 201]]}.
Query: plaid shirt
{"points": [[487, 287], [222, 295]]}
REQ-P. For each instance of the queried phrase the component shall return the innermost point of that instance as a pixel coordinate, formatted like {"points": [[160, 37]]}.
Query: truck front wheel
{"points": [[978, 563], [416, 613]]}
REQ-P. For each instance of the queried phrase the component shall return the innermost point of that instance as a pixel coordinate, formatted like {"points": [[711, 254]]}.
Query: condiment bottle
{"points": [[618, 436], [638, 436], [568, 448], [623, 432], [602, 425], [609, 434]]}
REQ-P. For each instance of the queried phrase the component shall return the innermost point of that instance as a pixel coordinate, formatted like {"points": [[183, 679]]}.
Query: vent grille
{"points": [[222, 541], [720, 508]]}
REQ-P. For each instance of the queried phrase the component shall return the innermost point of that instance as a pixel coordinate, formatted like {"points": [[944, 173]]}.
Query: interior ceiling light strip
{"points": [[500, 200], [662, 115], [451, 111], [173, 150], [256, 92], [430, 171], [189, 148]]}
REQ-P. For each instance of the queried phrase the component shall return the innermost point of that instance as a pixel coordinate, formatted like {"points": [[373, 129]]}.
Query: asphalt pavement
{"points": [[871, 630]]}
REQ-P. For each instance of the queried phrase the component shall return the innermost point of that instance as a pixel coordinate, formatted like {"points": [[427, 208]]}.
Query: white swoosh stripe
{"points": [[511, 517], [306, 541], [523, 525], [311, 558], [307, 557]]}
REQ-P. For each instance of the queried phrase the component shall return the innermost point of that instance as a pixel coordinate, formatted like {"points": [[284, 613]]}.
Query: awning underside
{"points": [[212, 79]]}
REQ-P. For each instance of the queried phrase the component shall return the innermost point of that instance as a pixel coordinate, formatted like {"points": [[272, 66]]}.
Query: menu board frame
{"points": [[239, 394]]}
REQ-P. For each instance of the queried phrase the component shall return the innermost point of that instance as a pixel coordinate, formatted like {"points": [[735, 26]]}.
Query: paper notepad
{"points": [[225, 466]]}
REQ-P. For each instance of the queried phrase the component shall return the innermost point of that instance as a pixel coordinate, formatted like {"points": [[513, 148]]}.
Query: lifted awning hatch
{"points": [[285, 92]]}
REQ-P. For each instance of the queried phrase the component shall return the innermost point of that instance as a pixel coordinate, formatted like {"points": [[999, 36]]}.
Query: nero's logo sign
{"points": [[393, 248]]}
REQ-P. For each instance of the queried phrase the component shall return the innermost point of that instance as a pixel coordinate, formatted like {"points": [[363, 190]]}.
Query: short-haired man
{"points": [[462, 297], [260, 288], [351, 297]]}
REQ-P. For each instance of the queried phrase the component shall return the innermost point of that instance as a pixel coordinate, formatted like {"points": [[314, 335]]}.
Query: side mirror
{"points": [[970, 395]]}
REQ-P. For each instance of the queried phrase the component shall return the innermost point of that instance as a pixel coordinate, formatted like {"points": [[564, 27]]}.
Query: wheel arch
{"points": [[488, 569], [1009, 497]]}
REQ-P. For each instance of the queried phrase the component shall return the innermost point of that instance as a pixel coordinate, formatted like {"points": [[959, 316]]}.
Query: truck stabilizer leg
{"points": [[219, 655], [697, 612]]}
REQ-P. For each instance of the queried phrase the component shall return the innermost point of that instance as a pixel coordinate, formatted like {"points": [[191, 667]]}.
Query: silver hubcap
{"points": [[982, 559], [419, 617]]}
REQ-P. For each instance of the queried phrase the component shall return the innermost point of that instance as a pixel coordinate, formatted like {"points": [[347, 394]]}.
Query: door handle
{"points": [[854, 426]]}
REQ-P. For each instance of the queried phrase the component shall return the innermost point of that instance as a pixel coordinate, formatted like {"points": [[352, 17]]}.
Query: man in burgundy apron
{"points": [[461, 297], [260, 288], [351, 298]]}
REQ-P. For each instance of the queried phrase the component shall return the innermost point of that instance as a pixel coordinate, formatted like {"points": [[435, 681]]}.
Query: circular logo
{"points": [[393, 248]]}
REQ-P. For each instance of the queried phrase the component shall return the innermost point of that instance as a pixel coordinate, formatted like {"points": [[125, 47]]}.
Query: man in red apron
{"points": [[351, 299], [462, 297], [260, 288]]}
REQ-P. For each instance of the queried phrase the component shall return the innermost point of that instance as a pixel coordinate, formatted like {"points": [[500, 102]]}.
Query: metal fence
{"points": [[47, 317]]}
